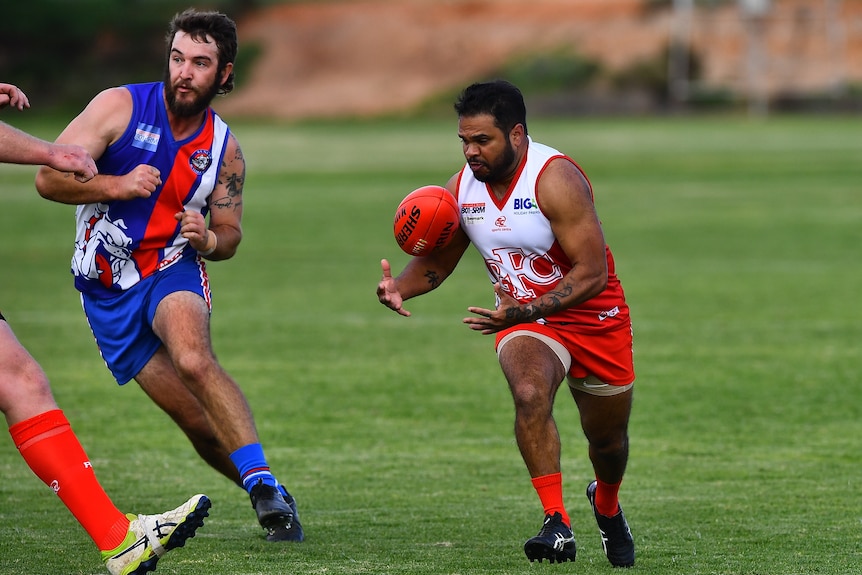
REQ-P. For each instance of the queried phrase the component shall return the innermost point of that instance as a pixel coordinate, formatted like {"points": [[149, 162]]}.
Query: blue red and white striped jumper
{"points": [[119, 243]]}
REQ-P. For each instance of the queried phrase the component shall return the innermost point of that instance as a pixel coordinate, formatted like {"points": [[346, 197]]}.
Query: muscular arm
{"points": [[101, 123], [220, 239], [226, 202], [566, 200]]}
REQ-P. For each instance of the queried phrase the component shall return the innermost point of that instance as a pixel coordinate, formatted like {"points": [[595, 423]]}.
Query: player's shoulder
{"points": [[129, 96], [561, 168], [539, 150], [107, 114], [110, 106], [562, 180], [112, 98], [232, 146]]}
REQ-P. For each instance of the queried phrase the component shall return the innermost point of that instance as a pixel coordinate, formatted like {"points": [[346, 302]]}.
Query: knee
{"points": [[24, 389], [531, 401], [609, 443], [194, 369]]}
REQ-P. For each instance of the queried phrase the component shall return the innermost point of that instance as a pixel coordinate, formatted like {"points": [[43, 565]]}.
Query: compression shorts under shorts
{"points": [[598, 364]]}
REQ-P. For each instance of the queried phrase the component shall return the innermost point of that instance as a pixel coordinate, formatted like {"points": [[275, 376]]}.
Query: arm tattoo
{"points": [[233, 182], [522, 314], [535, 310], [433, 278]]}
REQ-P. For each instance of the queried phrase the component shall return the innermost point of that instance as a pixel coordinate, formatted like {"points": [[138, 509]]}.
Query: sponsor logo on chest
{"points": [[524, 206], [146, 137], [473, 213]]}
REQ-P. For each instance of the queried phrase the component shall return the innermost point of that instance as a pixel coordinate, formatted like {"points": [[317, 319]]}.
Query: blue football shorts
{"points": [[123, 325]]}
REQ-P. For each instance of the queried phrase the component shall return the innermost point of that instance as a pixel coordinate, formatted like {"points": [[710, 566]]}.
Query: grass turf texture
{"points": [[738, 245]]}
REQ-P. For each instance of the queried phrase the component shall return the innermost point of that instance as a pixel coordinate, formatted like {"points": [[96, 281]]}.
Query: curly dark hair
{"points": [[199, 25]]}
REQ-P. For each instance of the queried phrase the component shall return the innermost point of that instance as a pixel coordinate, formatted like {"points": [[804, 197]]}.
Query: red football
{"points": [[426, 220]]}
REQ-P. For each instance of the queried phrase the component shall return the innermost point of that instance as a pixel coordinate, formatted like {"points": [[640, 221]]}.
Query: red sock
{"points": [[607, 498], [52, 450], [550, 490]]}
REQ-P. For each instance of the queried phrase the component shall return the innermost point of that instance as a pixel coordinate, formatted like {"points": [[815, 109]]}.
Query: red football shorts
{"points": [[606, 357]]}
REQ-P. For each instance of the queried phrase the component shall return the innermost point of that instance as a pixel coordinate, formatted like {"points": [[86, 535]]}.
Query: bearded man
{"points": [[168, 195]]}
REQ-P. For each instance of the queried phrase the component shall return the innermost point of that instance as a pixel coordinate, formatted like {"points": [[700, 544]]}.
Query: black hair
{"points": [[499, 98]]}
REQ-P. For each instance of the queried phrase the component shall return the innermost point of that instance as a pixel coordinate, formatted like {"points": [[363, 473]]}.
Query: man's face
{"points": [[192, 78], [488, 151]]}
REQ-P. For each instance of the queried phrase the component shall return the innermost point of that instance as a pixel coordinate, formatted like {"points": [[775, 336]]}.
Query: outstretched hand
{"points": [[64, 158], [387, 291], [490, 321], [13, 96]]}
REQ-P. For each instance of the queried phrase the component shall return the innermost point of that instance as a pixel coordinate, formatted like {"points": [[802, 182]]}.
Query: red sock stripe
{"points": [[50, 422], [256, 470]]}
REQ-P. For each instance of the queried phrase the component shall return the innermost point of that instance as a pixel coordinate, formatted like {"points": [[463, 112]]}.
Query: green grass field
{"points": [[738, 244]]}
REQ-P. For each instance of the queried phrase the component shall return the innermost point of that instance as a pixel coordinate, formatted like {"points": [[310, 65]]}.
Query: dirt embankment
{"points": [[370, 57]]}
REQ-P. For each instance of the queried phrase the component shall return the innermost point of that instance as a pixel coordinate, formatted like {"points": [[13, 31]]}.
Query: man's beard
{"points": [[189, 109], [501, 168]]}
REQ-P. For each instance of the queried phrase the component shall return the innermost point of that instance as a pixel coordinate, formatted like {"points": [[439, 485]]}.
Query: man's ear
{"points": [[225, 74], [517, 135]]}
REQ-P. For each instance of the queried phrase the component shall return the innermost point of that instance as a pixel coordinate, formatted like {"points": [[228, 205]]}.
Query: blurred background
{"points": [[369, 58]]}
